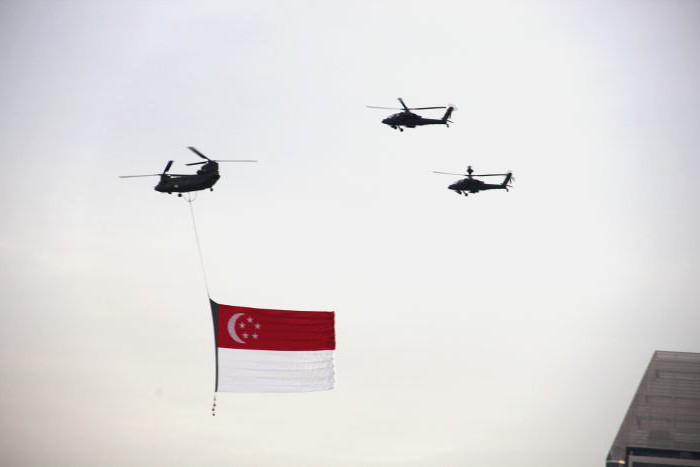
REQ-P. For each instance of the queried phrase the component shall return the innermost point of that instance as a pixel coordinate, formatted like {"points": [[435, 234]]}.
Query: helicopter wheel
{"points": [[179, 195], [211, 189]]}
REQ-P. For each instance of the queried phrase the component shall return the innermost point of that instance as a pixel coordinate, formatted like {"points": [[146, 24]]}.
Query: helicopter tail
{"points": [[448, 114], [506, 183]]}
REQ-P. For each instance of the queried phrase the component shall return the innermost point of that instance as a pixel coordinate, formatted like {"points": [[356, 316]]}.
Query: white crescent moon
{"points": [[232, 328]]}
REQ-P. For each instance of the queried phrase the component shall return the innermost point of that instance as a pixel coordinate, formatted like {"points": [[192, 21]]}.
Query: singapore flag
{"points": [[259, 350]]}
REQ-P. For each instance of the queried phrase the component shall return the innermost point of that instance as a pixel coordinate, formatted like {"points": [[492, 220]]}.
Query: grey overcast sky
{"points": [[500, 329]]}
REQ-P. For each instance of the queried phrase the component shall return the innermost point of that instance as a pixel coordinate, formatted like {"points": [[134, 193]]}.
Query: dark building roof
{"points": [[664, 417]]}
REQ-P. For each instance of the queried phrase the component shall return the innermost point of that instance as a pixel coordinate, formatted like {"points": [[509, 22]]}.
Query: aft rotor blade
{"points": [[134, 176], [235, 160], [197, 163], [194, 150], [385, 108]]}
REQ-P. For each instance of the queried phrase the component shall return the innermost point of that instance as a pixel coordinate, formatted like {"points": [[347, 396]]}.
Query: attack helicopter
{"points": [[473, 185], [205, 177], [410, 120]]}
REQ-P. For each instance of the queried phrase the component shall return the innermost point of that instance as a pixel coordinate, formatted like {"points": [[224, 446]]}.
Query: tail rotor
{"points": [[508, 182]]}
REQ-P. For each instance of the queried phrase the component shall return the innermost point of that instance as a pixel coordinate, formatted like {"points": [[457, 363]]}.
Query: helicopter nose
{"points": [[453, 186], [386, 121]]}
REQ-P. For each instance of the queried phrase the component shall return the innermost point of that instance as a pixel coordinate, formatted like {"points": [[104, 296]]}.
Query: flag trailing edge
{"points": [[263, 350]]}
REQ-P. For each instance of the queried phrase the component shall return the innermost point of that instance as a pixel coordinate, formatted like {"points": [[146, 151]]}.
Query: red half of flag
{"points": [[240, 327]]}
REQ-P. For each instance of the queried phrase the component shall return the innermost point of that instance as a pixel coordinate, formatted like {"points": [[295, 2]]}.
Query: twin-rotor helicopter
{"points": [[205, 177]]}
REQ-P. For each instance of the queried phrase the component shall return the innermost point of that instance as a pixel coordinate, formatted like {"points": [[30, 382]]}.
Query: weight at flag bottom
{"points": [[262, 350]]}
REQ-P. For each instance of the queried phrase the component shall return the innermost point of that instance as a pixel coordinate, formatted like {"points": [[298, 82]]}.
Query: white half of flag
{"points": [[275, 370]]}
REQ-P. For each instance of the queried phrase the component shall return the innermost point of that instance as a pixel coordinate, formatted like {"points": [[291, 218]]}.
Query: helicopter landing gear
{"points": [[211, 189], [400, 129], [179, 195]]}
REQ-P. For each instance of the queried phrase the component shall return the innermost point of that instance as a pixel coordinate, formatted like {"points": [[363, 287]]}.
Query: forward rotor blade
{"points": [[167, 166], [489, 175], [194, 150], [403, 104], [385, 108], [425, 108], [134, 176]]}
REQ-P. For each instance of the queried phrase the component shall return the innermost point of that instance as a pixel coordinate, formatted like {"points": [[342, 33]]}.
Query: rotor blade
{"points": [[385, 108], [425, 108], [222, 160], [489, 175], [194, 150], [403, 104], [449, 173], [134, 176], [235, 160], [167, 166]]}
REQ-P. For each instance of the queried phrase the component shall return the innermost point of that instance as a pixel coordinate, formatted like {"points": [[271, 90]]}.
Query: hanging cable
{"points": [[190, 198]]}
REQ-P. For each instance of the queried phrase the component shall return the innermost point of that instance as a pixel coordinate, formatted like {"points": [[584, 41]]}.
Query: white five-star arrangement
{"points": [[249, 324]]}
